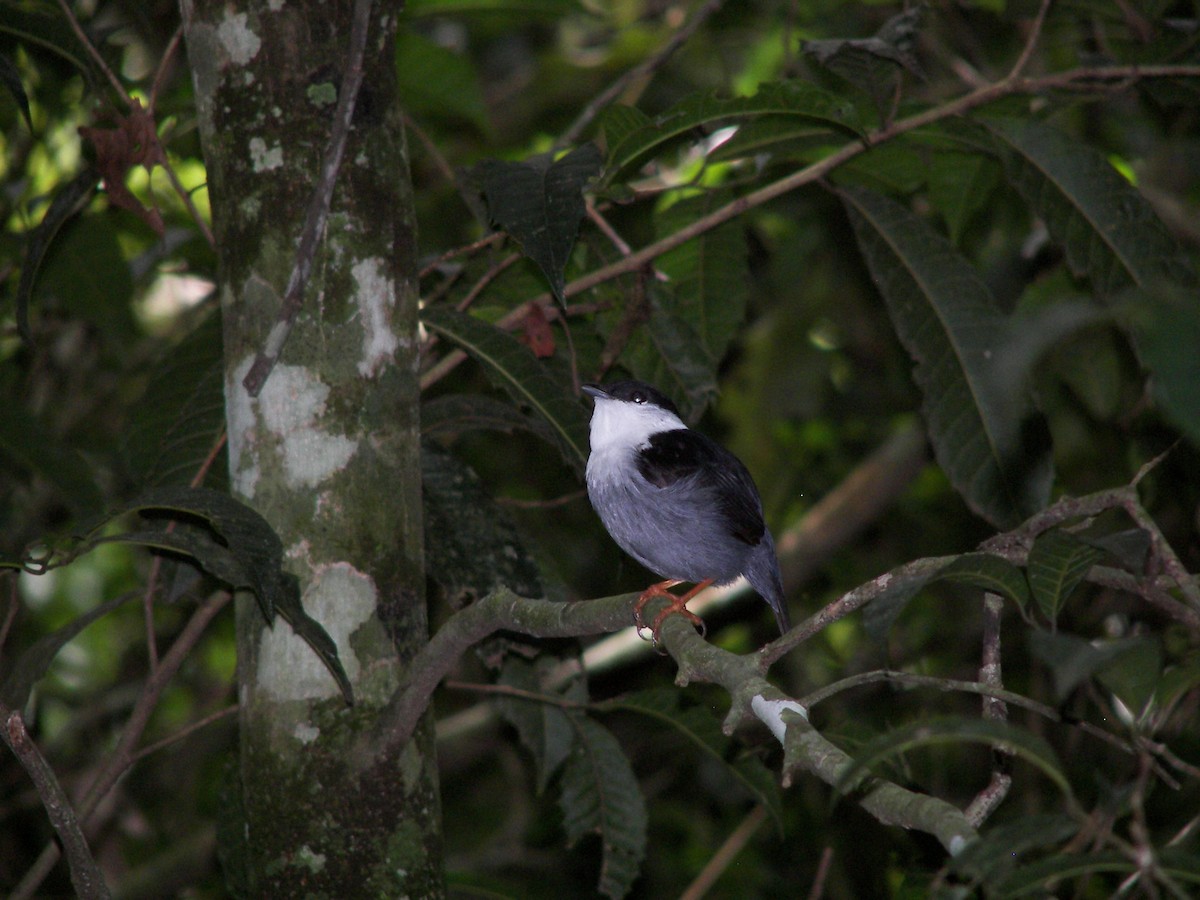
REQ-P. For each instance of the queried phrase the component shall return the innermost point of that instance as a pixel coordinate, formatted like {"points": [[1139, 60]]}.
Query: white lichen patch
{"points": [[341, 599], [291, 405], [310, 859], [264, 158], [239, 417], [240, 43], [306, 733], [376, 297], [770, 712]]}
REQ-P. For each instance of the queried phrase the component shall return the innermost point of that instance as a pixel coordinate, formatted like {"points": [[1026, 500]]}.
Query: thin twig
{"points": [[85, 874], [818, 886], [184, 733], [121, 757], [994, 709], [95, 54], [1035, 34], [318, 207], [726, 854]]}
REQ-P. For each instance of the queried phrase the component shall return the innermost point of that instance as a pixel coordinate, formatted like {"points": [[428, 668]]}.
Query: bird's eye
{"points": [[637, 397]]}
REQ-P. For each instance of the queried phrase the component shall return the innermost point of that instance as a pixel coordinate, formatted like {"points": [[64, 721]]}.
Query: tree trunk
{"points": [[328, 452]]}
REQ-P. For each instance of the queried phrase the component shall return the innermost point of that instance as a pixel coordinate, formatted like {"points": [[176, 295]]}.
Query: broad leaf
{"points": [[953, 730], [703, 729], [10, 77], [26, 445], [600, 795], [990, 573], [1058, 561], [545, 730], [540, 203], [512, 366], [873, 63], [1107, 230], [471, 544], [433, 81], [1072, 660], [454, 414], [631, 137], [986, 434]]}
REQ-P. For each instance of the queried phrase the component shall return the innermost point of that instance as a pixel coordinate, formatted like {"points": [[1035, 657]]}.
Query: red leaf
{"points": [[132, 143], [536, 333]]}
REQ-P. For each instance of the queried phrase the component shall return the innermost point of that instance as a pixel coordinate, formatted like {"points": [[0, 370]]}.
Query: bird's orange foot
{"points": [[678, 604]]}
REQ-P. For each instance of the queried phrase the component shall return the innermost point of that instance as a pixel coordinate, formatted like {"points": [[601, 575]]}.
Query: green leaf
{"points": [[709, 275], [1107, 230], [540, 204], [1058, 561], [600, 795], [10, 76], [26, 444], [68, 200], [1072, 660], [35, 660], [544, 729], [1165, 324], [703, 729], [512, 366], [990, 573], [435, 81], [248, 555], [999, 849], [1039, 877], [471, 544], [954, 730], [630, 139], [1133, 676], [885, 607], [873, 63], [179, 417], [454, 414], [961, 186], [986, 434]]}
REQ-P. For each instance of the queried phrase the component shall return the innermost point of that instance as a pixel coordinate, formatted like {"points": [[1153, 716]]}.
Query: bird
{"points": [[676, 501]]}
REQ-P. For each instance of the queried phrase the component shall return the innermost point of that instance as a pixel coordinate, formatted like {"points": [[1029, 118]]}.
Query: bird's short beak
{"points": [[594, 390]]}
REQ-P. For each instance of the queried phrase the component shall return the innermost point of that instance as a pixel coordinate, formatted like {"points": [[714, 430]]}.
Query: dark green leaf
{"points": [[435, 81], [999, 849], [471, 544], [1133, 676], [544, 729], [1165, 324], [178, 419], [600, 795], [1057, 563], [10, 76], [953, 730], [35, 660], [69, 199], [1128, 547], [961, 186], [540, 203], [628, 141], [703, 729], [885, 608], [872, 64], [1072, 660], [1108, 231], [709, 275], [454, 414], [989, 439], [512, 366], [25, 444], [1037, 878], [990, 573]]}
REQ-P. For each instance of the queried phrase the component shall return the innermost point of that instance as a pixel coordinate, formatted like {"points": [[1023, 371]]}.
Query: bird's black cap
{"points": [[632, 392]]}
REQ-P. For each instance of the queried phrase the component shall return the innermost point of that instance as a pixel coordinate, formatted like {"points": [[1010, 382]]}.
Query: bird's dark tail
{"points": [[763, 575]]}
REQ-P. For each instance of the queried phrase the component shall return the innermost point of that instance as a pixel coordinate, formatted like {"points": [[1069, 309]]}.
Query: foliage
{"points": [[805, 223]]}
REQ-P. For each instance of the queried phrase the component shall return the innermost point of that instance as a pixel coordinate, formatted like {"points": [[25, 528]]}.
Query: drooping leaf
{"points": [[247, 549], [453, 414], [1058, 561], [986, 434], [69, 199], [990, 573], [10, 77], [35, 660], [885, 608], [1133, 675], [433, 80], [955, 730], [961, 186], [1165, 324], [873, 63], [512, 366], [1107, 230], [1072, 660], [709, 275], [1035, 878], [177, 421], [540, 203], [631, 137], [544, 729], [600, 795], [471, 544], [999, 849], [703, 729]]}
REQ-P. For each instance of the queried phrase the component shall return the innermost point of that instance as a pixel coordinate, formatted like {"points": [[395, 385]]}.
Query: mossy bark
{"points": [[328, 452]]}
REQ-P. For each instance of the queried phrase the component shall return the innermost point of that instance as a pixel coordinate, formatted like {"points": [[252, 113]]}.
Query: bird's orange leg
{"points": [[678, 605]]}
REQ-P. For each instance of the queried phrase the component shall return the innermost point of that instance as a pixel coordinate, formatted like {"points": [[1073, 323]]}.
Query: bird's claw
{"points": [[678, 604]]}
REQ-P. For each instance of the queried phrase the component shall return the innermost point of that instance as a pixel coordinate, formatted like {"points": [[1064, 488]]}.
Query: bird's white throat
{"points": [[621, 425]]}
